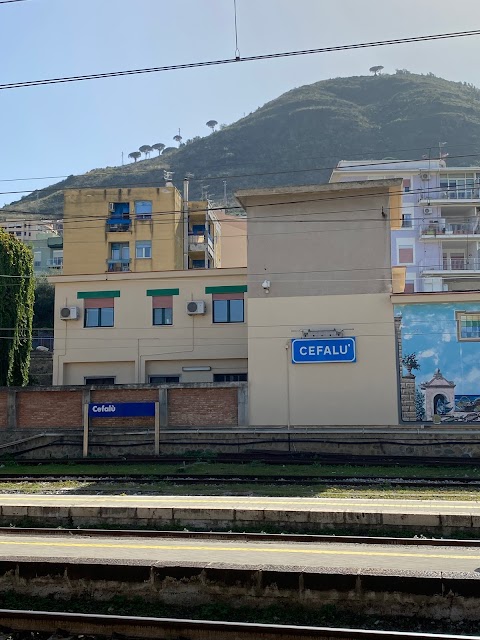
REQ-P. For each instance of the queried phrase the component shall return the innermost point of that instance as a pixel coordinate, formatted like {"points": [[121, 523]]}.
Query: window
{"points": [[119, 257], [120, 251], [407, 222], [143, 209], [162, 310], [119, 209], [99, 312], [409, 287], [230, 377], [406, 185], [468, 326], [100, 381], [198, 264], [119, 216], [405, 255], [37, 259], [228, 307], [164, 379], [198, 229], [143, 249]]}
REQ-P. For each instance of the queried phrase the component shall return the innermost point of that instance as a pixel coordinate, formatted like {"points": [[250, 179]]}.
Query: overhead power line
{"points": [[211, 63], [9, 1], [366, 165]]}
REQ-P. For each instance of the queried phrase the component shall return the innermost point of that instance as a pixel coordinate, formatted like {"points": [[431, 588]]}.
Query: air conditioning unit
{"points": [[196, 307], [69, 313], [424, 176], [427, 211], [111, 207]]}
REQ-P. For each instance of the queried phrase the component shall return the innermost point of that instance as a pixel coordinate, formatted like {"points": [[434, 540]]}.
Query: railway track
{"points": [[270, 457], [106, 626], [239, 536], [188, 478]]}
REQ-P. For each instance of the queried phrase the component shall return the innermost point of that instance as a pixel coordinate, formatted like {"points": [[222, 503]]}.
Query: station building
{"points": [[319, 273]]}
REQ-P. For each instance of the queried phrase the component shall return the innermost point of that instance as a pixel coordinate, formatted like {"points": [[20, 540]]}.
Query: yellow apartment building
{"points": [[152, 327], [139, 230]]}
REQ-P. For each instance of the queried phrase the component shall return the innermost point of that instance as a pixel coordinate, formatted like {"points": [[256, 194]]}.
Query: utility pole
{"points": [[186, 184]]}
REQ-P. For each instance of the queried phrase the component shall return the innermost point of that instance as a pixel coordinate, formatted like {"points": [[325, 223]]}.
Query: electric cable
{"points": [[211, 63]]}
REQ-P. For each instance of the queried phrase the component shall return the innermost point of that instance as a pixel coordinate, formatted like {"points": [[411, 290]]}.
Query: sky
{"points": [[71, 128]]}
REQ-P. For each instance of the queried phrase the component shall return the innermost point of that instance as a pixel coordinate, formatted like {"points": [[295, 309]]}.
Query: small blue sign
{"points": [[323, 350], [121, 409]]}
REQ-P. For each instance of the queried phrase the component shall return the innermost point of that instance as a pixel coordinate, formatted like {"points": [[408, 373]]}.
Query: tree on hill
{"points": [[178, 138], [212, 124], [158, 146], [135, 155], [16, 310], [376, 70], [146, 149], [340, 118]]}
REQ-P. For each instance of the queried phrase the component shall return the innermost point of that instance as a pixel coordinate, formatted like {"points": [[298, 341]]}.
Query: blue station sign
{"points": [[121, 409], [306, 350]]}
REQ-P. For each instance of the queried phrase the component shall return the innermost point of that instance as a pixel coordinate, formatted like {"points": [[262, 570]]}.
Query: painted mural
{"points": [[439, 353]]}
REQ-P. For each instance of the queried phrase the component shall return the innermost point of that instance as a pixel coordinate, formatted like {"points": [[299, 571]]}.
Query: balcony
{"points": [[200, 242], [444, 195], [55, 263], [443, 230], [118, 224], [453, 267], [115, 265]]}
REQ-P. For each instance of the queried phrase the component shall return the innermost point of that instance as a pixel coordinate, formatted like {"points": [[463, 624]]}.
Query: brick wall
{"points": [[202, 406], [49, 409], [3, 409], [123, 395]]}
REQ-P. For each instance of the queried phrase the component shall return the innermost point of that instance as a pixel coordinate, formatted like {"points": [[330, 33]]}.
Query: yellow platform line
{"points": [[244, 549]]}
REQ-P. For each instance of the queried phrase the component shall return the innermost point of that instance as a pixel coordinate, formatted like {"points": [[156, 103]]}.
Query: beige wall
{"points": [[360, 393], [233, 240], [138, 348], [319, 240], [326, 251]]}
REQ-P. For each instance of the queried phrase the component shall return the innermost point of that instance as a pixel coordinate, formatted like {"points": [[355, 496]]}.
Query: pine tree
{"points": [[17, 293]]}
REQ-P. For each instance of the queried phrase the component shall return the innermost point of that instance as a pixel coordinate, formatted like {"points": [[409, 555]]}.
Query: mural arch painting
{"points": [[439, 359]]}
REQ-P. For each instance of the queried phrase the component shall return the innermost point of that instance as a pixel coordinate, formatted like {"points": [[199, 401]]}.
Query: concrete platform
{"points": [[418, 559], [361, 578], [210, 512]]}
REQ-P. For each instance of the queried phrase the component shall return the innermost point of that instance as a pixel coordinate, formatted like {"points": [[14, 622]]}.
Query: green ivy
{"points": [[16, 310]]}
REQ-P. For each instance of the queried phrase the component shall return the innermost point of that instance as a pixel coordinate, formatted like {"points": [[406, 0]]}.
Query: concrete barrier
{"points": [[320, 519], [434, 594]]}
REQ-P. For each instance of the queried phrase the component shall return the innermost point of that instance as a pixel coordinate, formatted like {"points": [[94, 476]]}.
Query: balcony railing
{"points": [[118, 265], [197, 238], [118, 224], [42, 338], [55, 263], [454, 264], [450, 228], [450, 194]]}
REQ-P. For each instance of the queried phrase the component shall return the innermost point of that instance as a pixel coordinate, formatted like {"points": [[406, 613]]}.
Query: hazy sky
{"points": [[64, 129]]}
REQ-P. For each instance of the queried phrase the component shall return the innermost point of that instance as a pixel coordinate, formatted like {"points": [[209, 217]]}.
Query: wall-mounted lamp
{"points": [[266, 286]]}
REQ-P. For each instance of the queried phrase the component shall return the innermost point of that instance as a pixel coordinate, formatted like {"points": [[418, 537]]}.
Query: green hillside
{"points": [[298, 137]]}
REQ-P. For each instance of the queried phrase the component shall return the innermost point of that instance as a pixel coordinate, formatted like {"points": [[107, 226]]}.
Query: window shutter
{"points": [[405, 255], [227, 296], [98, 303], [162, 302]]}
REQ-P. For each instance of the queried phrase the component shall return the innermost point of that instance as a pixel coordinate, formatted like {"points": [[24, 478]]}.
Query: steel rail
{"points": [[188, 478], [240, 536], [271, 457], [169, 628]]}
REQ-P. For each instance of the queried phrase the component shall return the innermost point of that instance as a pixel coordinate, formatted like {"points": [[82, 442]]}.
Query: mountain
{"points": [[298, 137]]}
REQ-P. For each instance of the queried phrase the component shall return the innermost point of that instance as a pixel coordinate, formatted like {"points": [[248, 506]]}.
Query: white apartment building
{"points": [[439, 243]]}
